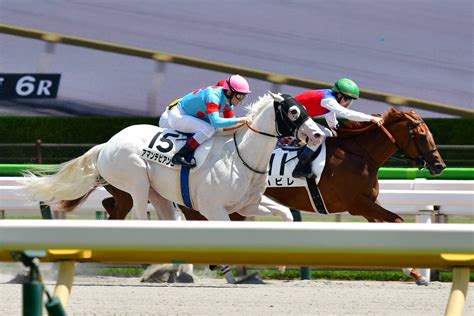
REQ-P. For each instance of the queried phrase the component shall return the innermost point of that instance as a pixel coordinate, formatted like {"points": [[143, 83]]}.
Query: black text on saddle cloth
{"points": [[162, 146]]}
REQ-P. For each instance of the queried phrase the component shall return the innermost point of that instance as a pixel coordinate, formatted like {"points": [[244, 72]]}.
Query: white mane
{"points": [[255, 108]]}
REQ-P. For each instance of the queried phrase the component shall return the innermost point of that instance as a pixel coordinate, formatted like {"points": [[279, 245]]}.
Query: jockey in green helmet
{"points": [[329, 103], [347, 90]]}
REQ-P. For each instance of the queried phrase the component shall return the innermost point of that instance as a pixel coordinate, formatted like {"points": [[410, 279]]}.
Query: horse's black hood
{"points": [[289, 115]]}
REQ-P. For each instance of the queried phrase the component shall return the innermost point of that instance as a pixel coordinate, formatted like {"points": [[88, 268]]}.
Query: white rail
{"points": [[401, 196]]}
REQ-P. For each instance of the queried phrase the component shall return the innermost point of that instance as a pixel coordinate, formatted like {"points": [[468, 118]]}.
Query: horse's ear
{"points": [[392, 110], [276, 97]]}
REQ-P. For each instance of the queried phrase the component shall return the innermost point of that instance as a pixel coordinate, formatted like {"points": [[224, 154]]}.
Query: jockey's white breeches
{"points": [[180, 121], [324, 132]]}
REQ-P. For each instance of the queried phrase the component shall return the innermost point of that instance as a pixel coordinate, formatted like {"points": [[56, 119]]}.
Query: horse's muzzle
{"points": [[315, 139], [437, 168]]}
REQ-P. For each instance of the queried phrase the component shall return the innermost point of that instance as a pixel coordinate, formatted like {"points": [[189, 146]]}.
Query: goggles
{"points": [[348, 99], [240, 96]]}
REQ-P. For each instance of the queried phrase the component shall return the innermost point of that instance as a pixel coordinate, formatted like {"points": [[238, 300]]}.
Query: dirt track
{"points": [[126, 296]]}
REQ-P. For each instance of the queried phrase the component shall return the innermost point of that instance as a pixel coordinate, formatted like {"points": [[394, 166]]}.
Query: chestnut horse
{"points": [[349, 181]]}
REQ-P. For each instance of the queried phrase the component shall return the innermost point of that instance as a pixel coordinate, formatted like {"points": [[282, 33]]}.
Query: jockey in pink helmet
{"points": [[199, 112]]}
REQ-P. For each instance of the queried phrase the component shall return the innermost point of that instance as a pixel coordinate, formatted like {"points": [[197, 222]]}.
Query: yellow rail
{"points": [[214, 66], [259, 243]]}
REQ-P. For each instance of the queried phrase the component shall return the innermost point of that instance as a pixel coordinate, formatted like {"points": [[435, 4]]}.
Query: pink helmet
{"points": [[237, 83]]}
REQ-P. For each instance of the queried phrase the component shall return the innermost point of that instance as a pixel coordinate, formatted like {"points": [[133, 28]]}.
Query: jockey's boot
{"points": [[180, 157], [303, 168]]}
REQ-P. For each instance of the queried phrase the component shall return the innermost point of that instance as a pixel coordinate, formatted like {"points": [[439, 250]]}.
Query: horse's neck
{"points": [[256, 149], [377, 145], [384, 148]]}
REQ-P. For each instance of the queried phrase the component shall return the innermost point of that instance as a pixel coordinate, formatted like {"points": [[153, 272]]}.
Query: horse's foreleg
{"points": [[267, 207], [412, 272], [370, 219], [276, 209], [372, 209], [216, 213], [378, 213]]}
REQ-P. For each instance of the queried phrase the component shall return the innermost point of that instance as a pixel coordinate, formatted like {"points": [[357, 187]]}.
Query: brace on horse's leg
{"points": [[226, 270]]}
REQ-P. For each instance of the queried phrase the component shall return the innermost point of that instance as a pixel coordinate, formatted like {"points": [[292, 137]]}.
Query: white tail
{"points": [[71, 180]]}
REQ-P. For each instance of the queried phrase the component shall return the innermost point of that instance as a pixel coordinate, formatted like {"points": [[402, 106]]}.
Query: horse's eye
{"points": [[294, 113]]}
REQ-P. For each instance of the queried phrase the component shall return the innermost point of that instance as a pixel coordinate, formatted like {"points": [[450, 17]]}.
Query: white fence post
{"points": [[424, 217], [156, 83], [46, 56]]}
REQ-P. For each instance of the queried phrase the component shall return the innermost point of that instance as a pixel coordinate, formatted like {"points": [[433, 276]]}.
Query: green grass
{"points": [[292, 274], [348, 275], [115, 272]]}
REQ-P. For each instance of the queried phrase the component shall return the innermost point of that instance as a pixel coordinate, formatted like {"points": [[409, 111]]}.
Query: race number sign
{"points": [[15, 86]]}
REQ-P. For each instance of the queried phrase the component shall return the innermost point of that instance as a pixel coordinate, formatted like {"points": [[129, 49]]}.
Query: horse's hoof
{"points": [[157, 273], [184, 277], [422, 281], [250, 279], [21, 278], [172, 277]]}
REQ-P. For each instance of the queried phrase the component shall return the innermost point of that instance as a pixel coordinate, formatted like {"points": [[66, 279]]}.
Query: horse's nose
{"points": [[439, 167]]}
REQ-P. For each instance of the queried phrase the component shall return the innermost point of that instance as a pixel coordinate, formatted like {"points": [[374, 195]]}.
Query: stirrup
{"points": [[180, 160]]}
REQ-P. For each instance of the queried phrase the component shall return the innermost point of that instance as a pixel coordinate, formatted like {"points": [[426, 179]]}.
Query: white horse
{"points": [[232, 178]]}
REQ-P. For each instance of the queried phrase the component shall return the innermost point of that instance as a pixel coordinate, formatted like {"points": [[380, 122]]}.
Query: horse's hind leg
{"points": [[119, 205], [164, 208], [137, 184], [127, 171], [109, 205]]}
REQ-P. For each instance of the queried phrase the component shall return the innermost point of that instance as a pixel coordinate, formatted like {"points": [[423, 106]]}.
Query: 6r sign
{"points": [[14, 86]]}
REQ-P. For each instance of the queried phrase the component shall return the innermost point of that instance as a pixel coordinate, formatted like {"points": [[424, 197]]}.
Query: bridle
{"points": [[294, 127], [420, 160]]}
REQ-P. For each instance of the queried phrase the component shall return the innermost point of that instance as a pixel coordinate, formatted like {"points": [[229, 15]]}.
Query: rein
{"points": [[392, 139], [240, 156], [259, 132], [243, 161]]}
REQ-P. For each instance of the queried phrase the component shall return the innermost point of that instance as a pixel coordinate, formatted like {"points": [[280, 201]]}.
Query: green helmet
{"points": [[347, 87]]}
